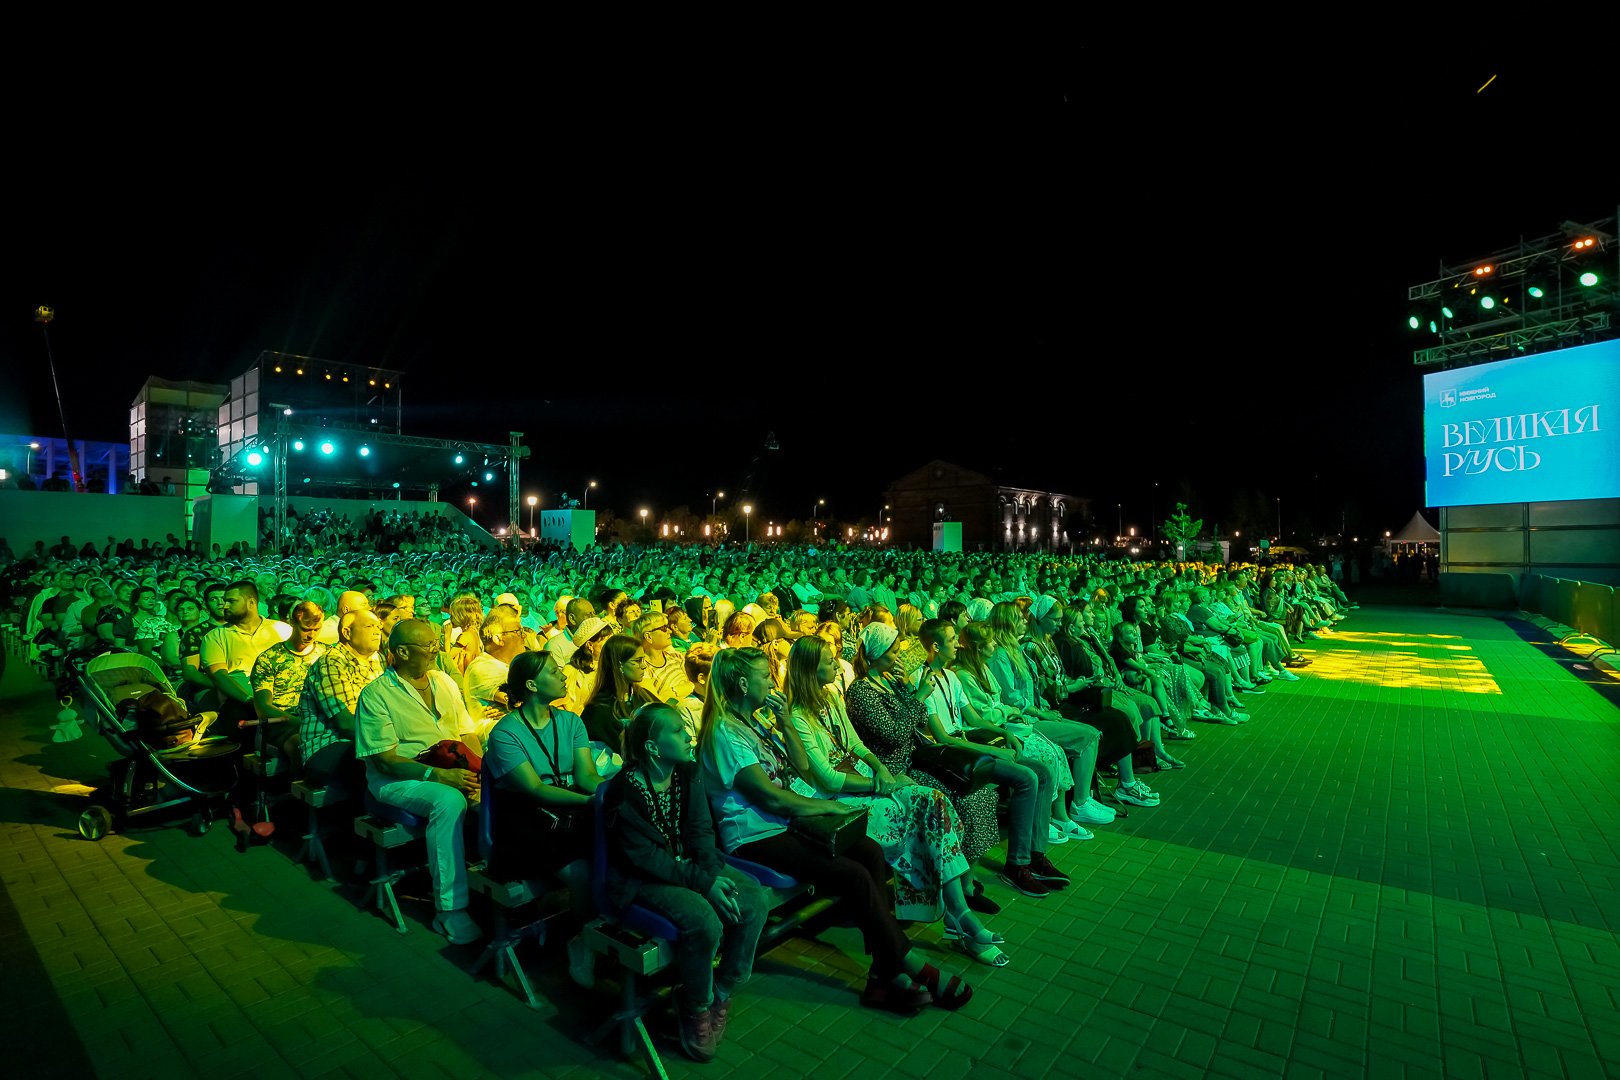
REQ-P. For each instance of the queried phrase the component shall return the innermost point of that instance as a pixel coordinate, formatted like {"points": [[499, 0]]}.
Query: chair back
{"points": [[599, 895], [486, 811]]}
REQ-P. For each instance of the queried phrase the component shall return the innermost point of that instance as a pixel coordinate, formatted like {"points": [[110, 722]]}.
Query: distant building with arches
{"points": [[994, 516]]}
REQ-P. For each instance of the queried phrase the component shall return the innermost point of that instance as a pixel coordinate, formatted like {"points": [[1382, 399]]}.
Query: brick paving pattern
{"points": [[1403, 867]]}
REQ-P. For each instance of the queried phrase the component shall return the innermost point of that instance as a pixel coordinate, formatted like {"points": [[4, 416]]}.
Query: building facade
{"points": [[994, 516]]}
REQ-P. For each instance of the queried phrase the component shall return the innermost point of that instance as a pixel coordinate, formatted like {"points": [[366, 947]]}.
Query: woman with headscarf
{"points": [[888, 713]]}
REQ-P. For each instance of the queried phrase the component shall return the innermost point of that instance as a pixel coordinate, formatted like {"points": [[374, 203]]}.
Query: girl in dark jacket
{"points": [[662, 855]]}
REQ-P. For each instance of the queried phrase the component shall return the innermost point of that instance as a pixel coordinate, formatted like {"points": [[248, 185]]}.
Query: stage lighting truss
{"points": [[1551, 292]]}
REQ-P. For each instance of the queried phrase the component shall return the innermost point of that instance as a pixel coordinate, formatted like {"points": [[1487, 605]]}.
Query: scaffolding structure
{"points": [[1523, 299]]}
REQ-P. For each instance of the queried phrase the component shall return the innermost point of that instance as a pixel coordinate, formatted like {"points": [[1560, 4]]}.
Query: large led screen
{"points": [[1534, 429]]}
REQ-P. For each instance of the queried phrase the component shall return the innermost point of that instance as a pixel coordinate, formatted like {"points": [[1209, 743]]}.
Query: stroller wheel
{"points": [[95, 823], [200, 823]]}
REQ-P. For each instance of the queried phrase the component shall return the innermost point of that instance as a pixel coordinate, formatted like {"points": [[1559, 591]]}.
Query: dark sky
{"points": [[1088, 277]]}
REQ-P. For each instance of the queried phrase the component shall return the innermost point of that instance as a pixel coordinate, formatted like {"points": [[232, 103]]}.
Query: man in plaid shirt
{"points": [[326, 725]]}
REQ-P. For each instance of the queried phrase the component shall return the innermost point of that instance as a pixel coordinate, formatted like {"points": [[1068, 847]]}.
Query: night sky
{"points": [[1087, 279]]}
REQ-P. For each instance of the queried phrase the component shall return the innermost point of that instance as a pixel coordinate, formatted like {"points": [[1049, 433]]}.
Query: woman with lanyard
{"points": [[746, 771], [889, 713], [915, 825], [662, 855], [539, 761]]}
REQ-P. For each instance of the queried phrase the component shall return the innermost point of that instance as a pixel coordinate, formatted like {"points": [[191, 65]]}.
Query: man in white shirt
{"points": [[411, 708], [664, 673], [486, 673]]}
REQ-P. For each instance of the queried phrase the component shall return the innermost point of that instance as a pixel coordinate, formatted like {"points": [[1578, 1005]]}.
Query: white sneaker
{"points": [[1287, 676], [1135, 793], [1055, 835], [1092, 812]]}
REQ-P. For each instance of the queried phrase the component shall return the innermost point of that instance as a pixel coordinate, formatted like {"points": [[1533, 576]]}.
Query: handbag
{"points": [[449, 754], [830, 834], [955, 767], [1094, 697], [984, 737]]}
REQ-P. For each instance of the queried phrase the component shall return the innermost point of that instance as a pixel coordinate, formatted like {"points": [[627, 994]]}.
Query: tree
{"points": [[1182, 528]]}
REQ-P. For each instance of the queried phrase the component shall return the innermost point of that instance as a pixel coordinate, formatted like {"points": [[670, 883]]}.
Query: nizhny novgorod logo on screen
{"points": [[1448, 398]]}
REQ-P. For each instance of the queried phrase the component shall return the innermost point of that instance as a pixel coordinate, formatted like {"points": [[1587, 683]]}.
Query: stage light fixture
{"points": [[458, 459], [300, 371], [328, 376], [278, 369], [373, 382], [1433, 329], [1412, 321], [489, 476], [365, 451], [1582, 245], [1487, 303], [1447, 313], [1589, 279], [255, 458], [1536, 292], [1481, 271], [306, 479], [475, 483], [298, 444], [396, 483], [327, 448]]}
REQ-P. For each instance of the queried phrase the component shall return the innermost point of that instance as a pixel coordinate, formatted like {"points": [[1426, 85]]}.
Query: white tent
{"points": [[1417, 531]]}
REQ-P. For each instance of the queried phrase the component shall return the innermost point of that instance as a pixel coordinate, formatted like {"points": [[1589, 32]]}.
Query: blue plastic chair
{"points": [[503, 894]]}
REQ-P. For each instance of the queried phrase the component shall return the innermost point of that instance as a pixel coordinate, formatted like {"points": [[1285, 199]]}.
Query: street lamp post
{"points": [[815, 526], [532, 502], [714, 503], [747, 518], [471, 502], [1279, 517], [588, 487], [643, 517]]}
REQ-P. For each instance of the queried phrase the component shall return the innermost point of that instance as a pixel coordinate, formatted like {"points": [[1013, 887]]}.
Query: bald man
{"points": [[349, 601], [331, 694], [486, 673], [411, 708]]}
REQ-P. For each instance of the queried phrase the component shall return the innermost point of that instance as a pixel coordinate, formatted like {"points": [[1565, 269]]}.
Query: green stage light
{"points": [[1487, 303], [1589, 279], [1412, 321], [365, 451], [475, 483], [458, 459], [327, 448], [396, 484], [255, 458], [489, 476], [306, 479], [1536, 292], [1447, 313], [1433, 329], [298, 444]]}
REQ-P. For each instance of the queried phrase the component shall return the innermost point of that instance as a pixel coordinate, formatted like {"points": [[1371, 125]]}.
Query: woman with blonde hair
{"points": [[746, 769], [466, 614], [915, 825]]}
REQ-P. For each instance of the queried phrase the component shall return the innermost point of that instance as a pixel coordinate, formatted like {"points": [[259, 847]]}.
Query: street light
{"points": [[532, 502], [815, 529], [747, 511], [714, 503], [588, 494], [643, 517], [471, 502]]}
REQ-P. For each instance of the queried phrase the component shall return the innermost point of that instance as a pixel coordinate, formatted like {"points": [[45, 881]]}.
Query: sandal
{"points": [[956, 994], [953, 930], [880, 994], [984, 953], [1168, 762]]}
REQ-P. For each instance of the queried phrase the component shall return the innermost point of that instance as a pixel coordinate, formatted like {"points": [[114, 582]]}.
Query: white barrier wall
{"points": [[27, 516]]}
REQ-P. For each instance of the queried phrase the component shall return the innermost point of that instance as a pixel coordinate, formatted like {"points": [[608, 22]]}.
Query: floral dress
{"points": [[916, 826], [889, 723]]}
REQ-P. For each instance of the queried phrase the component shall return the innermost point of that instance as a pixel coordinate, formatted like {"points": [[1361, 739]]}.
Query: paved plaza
{"points": [[1404, 866]]}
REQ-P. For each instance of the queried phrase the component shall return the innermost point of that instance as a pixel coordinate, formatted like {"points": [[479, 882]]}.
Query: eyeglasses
{"points": [[429, 649], [655, 629]]}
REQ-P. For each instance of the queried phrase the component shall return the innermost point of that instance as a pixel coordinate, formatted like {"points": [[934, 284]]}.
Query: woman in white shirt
{"points": [[916, 826]]}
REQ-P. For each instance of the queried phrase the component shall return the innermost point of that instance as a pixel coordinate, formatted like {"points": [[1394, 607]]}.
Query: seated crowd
{"points": [[739, 703]]}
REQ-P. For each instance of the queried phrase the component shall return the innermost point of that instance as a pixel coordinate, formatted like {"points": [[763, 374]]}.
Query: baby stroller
{"points": [[167, 762]]}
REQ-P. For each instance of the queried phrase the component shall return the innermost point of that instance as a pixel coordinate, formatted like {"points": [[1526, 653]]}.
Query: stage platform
{"points": [[1406, 865]]}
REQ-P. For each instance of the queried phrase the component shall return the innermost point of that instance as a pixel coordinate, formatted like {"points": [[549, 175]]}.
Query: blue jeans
{"points": [[704, 933]]}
